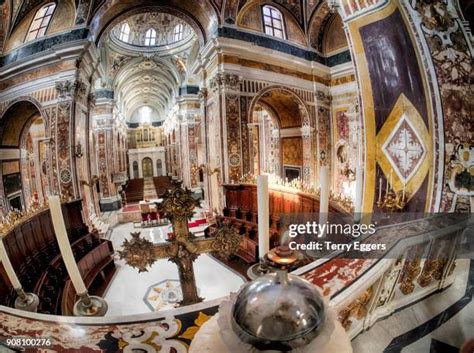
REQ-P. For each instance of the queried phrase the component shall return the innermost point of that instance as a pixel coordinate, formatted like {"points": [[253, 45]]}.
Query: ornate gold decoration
{"points": [[393, 201], [94, 179], [16, 217], [410, 271], [299, 185], [426, 275], [205, 169], [184, 247], [356, 309], [138, 252]]}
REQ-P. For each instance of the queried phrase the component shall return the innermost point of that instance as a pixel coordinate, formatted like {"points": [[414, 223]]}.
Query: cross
{"points": [[184, 247]]}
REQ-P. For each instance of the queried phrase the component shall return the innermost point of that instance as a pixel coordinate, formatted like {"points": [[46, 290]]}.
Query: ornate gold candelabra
{"points": [[392, 201], [345, 202], [15, 217]]}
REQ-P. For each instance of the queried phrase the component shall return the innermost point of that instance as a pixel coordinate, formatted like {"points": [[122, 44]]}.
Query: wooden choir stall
{"points": [[33, 250]]}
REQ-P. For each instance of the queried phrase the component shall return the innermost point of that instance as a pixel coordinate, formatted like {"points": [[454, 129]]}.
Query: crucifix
{"points": [[178, 205]]}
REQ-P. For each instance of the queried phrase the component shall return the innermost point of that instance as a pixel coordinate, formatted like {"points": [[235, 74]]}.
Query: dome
{"points": [[152, 31], [277, 311]]}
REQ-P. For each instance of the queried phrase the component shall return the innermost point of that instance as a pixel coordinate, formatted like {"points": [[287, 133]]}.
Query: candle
{"points": [[8, 266], [358, 194], [64, 245], [380, 189], [263, 216]]}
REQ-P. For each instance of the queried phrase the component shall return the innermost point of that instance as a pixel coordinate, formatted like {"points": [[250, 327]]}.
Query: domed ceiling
{"points": [[152, 31], [147, 56]]}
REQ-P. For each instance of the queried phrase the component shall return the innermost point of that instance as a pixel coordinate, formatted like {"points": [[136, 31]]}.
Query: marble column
{"points": [[63, 141], [104, 129]]}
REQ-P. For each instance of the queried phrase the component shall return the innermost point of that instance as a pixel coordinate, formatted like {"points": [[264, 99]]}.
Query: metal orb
{"points": [[278, 311]]}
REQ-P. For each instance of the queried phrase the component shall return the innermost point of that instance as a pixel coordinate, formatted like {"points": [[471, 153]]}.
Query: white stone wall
{"points": [[154, 153]]}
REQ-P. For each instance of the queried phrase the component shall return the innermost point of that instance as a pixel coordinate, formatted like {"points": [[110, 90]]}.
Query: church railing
{"points": [[419, 260]]}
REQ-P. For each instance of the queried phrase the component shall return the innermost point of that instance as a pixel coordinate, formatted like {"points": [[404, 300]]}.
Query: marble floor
{"points": [[439, 324], [128, 289]]}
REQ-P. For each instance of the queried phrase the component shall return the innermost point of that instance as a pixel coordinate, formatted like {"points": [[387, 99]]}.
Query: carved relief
{"points": [[233, 136], [66, 92], [389, 283], [411, 270], [102, 164], [357, 309]]}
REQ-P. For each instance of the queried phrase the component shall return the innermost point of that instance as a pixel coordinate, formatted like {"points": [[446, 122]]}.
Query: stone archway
{"points": [[293, 115], [15, 124]]}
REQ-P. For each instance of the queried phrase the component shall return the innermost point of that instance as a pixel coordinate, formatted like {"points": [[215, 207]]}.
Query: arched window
{"points": [[178, 32], [273, 22], [150, 37], [124, 32], [41, 21]]}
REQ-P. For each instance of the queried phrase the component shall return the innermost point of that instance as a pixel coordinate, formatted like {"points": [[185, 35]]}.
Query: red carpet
{"points": [[131, 208]]}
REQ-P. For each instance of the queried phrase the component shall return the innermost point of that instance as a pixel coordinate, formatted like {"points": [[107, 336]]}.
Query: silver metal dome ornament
{"points": [[278, 311]]}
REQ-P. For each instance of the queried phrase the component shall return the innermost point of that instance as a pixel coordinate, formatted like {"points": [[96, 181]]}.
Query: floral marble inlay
{"points": [[404, 149], [163, 294]]}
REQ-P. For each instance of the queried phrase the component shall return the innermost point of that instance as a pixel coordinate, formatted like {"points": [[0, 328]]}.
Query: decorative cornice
{"points": [[43, 45], [227, 81], [284, 47], [70, 89]]}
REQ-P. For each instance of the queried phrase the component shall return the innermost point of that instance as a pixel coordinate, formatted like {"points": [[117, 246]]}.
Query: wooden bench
{"points": [[97, 269]]}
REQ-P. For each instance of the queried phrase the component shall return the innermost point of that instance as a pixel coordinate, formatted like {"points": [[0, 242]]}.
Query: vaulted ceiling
{"points": [[147, 76]]}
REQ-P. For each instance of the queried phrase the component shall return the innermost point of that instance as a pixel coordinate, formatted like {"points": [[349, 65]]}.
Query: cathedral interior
{"points": [[161, 163]]}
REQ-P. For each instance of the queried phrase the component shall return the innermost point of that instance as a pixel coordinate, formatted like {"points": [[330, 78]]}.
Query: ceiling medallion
{"points": [[404, 147]]}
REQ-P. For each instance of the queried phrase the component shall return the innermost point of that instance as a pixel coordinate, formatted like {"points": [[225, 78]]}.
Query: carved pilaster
{"points": [[62, 133]]}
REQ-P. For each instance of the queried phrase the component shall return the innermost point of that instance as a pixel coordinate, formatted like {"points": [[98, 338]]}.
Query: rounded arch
{"points": [[303, 109], [62, 19], [147, 167], [152, 82], [333, 38], [203, 19], [32, 105], [15, 123], [317, 23], [294, 32], [271, 111], [298, 107], [135, 170]]}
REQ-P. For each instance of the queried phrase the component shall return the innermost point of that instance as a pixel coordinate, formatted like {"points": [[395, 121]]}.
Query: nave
{"points": [[236, 176]]}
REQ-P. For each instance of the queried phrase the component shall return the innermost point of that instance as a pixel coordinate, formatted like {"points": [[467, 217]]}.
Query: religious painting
{"points": [[292, 151]]}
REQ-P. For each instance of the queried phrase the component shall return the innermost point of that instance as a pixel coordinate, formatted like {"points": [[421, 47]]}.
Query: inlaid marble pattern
{"points": [[404, 149]]}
